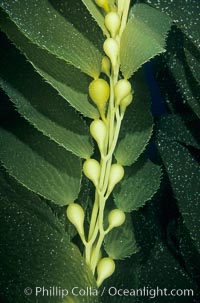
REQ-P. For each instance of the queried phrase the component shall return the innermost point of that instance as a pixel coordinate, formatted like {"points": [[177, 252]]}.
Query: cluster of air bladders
{"points": [[100, 92]]}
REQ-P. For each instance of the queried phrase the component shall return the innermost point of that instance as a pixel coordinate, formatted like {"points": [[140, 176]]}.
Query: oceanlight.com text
{"points": [[54, 291]]}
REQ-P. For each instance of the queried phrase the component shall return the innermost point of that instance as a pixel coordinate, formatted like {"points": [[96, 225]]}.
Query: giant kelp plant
{"points": [[99, 150]]}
